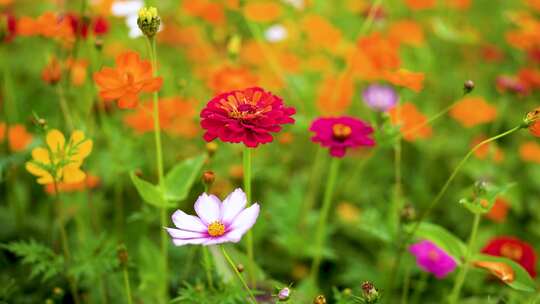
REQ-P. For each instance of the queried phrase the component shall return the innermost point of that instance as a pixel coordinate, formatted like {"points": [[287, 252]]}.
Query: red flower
{"points": [[341, 133], [247, 116], [8, 24], [514, 249]]}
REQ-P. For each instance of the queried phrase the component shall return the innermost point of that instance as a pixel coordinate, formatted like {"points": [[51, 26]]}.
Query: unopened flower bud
{"points": [[369, 292], [138, 173], [58, 292], [211, 148], [531, 118], [480, 188], [208, 177], [408, 213], [240, 268], [347, 292], [122, 255], [149, 21], [320, 299], [284, 294], [98, 44], [468, 86]]}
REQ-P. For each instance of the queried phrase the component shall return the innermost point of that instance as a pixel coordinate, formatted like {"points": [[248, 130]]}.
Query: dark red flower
{"points": [[247, 116], [100, 26], [8, 27], [514, 249], [341, 133], [81, 25]]}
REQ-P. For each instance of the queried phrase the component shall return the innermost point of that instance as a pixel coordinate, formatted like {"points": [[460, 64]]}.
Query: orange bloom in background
{"points": [[534, 117], [320, 32], [499, 210], [412, 122], [530, 152], [473, 111], [404, 78], [209, 11], [176, 115], [52, 73], [487, 150], [262, 11], [18, 137], [529, 77], [382, 52], [335, 95], [127, 80], [534, 4], [90, 182], [77, 69], [420, 4], [228, 78], [501, 270], [459, 4], [406, 32], [48, 25]]}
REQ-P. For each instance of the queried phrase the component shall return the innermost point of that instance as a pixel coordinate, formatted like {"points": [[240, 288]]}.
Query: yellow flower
{"points": [[59, 161]]}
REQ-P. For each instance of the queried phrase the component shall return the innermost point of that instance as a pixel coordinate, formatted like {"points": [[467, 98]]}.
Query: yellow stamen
{"points": [[216, 229], [341, 131]]}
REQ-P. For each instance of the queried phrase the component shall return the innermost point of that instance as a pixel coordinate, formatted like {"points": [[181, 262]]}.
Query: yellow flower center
{"points": [[511, 251], [216, 229], [341, 131], [433, 255]]}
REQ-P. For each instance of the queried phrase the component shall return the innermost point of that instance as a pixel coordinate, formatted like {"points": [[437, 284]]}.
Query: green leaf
{"points": [[181, 177], [522, 280], [44, 262], [442, 238], [150, 193]]}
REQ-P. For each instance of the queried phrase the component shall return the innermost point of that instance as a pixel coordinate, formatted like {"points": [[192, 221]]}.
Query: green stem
{"points": [[406, 286], [460, 279], [127, 286], [64, 106], [208, 267], [159, 163], [321, 225], [233, 266], [249, 235], [313, 184]]}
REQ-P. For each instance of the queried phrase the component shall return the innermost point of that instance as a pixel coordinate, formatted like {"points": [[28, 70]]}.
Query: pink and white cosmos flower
{"points": [[217, 222]]}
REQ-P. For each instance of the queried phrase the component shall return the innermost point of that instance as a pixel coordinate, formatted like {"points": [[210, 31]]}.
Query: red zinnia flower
{"points": [[247, 116], [514, 249], [341, 133]]}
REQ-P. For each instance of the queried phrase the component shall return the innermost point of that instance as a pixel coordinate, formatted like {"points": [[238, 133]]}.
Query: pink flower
{"points": [[217, 222], [433, 259], [341, 133], [247, 116]]}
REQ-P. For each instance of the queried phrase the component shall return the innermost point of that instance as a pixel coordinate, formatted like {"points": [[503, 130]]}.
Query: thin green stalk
{"points": [[249, 235], [321, 224], [419, 287], [64, 106], [159, 163], [233, 266], [460, 279], [313, 184], [127, 285], [406, 286], [208, 266]]}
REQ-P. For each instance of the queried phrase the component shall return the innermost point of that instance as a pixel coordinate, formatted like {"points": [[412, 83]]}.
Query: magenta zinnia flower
{"points": [[340, 133], [217, 222], [380, 97], [433, 259], [247, 116]]}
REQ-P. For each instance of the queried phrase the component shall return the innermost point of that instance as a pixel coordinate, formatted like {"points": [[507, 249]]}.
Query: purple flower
{"points": [[284, 294], [217, 222], [380, 97], [433, 259], [340, 133]]}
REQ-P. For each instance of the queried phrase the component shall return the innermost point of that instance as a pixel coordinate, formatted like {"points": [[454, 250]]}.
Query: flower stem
{"points": [[313, 184], [321, 225], [64, 107], [233, 266], [208, 266], [249, 235], [460, 279], [127, 286], [159, 163]]}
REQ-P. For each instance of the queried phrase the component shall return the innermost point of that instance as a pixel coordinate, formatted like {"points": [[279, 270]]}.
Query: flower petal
{"points": [[208, 208], [183, 234], [182, 242], [232, 206], [55, 140], [188, 222], [243, 222]]}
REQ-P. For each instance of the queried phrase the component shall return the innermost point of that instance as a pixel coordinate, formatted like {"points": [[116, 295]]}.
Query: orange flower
{"points": [[472, 111], [529, 77], [499, 210], [176, 115], [48, 25], [77, 70], [228, 78], [262, 11], [501, 270], [90, 182], [125, 82], [487, 150], [534, 118], [52, 73], [18, 137], [420, 4], [406, 32], [534, 4], [320, 32], [382, 52], [207, 10], [335, 95], [530, 152], [404, 78], [411, 121]]}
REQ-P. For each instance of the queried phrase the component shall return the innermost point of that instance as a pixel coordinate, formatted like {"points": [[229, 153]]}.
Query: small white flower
{"points": [[276, 33]]}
